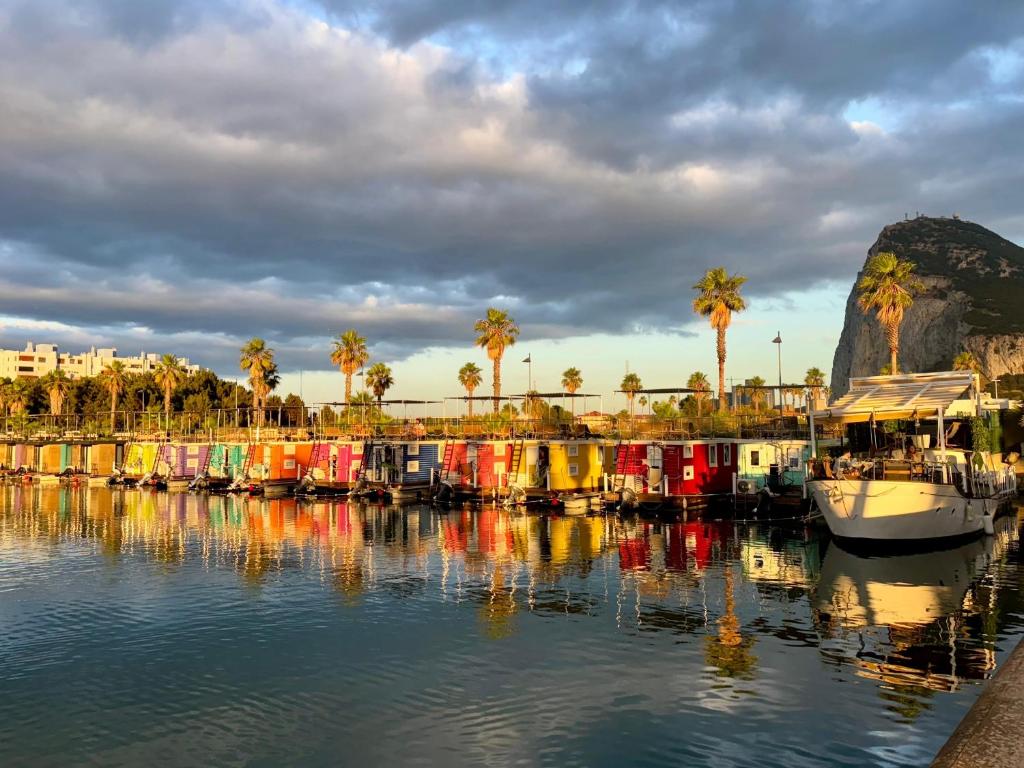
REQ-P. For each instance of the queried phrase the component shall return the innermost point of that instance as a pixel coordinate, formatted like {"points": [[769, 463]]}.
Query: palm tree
{"points": [[470, 378], [349, 354], [6, 394], [169, 374], [757, 394], [888, 287], [815, 380], [572, 380], [114, 379], [496, 333], [718, 297], [20, 394], [257, 359], [630, 385], [57, 383], [701, 387], [380, 380]]}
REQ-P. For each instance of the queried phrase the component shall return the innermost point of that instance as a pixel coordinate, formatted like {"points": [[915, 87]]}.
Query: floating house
{"points": [[761, 460]]}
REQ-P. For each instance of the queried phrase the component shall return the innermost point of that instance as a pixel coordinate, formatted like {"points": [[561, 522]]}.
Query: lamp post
{"points": [[529, 376], [778, 340]]}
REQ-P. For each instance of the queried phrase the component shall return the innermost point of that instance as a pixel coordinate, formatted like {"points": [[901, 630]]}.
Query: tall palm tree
{"points": [[756, 394], [57, 383], [349, 354], [470, 378], [114, 379], [699, 383], [169, 375], [380, 380], [572, 380], [888, 287], [630, 385], [814, 381], [257, 359], [496, 333], [6, 395], [718, 297]]}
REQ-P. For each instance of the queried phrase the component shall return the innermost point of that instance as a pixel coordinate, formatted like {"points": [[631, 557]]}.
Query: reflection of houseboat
{"points": [[786, 562], [916, 601], [905, 490]]}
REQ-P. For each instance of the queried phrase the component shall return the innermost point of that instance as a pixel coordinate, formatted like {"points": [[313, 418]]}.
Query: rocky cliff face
{"points": [[973, 301]]}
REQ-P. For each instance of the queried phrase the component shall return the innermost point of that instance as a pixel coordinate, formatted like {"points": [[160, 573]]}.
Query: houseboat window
{"points": [[574, 450], [574, 470], [727, 454], [412, 466], [688, 472], [712, 455], [412, 449], [794, 462], [755, 458], [687, 451]]}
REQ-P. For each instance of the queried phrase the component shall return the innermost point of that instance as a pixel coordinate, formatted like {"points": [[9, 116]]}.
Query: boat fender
{"points": [[628, 499], [988, 524]]}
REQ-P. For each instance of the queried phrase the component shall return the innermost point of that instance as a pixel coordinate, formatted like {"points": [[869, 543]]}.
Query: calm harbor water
{"points": [[140, 627]]}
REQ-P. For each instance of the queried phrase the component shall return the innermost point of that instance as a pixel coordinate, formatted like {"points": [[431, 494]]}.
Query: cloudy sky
{"points": [[179, 176]]}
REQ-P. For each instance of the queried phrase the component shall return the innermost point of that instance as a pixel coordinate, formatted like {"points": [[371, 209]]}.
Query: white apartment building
{"points": [[39, 359]]}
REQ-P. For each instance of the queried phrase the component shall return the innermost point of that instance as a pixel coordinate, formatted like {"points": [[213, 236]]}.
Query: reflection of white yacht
{"points": [[934, 493], [896, 619]]}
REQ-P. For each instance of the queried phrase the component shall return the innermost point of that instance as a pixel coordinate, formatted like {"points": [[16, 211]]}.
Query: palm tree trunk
{"points": [[113, 412], [892, 332], [721, 368], [470, 402], [348, 389], [497, 383]]}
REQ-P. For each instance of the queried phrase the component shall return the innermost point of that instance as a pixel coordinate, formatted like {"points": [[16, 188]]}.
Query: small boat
{"points": [[579, 503], [905, 493]]}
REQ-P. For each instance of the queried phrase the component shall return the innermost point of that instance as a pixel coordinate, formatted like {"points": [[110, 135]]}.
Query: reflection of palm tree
{"points": [[497, 612], [729, 651]]}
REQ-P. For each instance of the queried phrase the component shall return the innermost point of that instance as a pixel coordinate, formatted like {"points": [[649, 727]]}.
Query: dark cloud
{"points": [[226, 169]]}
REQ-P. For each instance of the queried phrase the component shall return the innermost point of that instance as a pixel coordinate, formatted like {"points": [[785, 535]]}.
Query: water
{"points": [[138, 627]]}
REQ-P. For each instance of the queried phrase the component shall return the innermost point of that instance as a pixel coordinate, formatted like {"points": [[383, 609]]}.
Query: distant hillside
{"points": [[973, 300]]}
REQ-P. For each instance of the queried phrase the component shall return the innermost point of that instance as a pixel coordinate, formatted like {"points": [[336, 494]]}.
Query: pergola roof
{"points": [[917, 395]]}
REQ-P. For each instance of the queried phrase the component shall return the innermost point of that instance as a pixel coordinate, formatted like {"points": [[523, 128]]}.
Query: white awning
{"points": [[916, 395]]}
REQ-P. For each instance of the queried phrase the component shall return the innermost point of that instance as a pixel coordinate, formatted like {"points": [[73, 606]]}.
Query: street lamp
{"points": [[778, 340]]}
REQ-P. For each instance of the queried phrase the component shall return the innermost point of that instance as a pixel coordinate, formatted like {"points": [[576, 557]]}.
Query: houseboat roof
{"points": [[917, 395]]}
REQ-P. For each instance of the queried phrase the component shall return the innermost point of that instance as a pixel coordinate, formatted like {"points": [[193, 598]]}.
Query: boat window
{"points": [[574, 450], [412, 466], [688, 472], [755, 458], [574, 470], [727, 454], [712, 455], [688, 451]]}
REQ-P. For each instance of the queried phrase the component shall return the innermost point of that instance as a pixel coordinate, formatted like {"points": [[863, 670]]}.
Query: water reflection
{"points": [[738, 613]]}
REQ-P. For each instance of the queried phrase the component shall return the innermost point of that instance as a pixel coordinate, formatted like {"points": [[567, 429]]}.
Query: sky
{"points": [[180, 176]]}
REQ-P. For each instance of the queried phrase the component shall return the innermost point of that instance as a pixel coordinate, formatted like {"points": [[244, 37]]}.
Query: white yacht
{"points": [[916, 487]]}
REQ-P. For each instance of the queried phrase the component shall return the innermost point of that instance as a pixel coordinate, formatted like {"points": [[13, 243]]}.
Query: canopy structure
{"points": [[912, 396]]}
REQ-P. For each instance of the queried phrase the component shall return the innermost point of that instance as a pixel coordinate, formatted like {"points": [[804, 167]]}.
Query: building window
{"points": [[574, 450], [687, 451], [574, 470], [712, 455], [755, 458], [727, 455]]}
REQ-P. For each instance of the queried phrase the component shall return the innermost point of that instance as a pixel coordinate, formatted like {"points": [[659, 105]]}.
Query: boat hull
{"points": [[881, 510]]}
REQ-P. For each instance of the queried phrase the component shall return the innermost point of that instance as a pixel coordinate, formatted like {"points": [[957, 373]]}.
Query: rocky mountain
{"points": [[973, 301]]}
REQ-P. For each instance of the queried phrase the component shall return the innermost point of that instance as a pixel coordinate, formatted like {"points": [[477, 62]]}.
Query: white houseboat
{"points": [[923, 486]]}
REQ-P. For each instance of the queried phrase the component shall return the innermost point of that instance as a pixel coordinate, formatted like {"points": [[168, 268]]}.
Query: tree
{"points": [[380, 380], [114, 380], [6, 395], [756, 394], [966, 361], [718, 297], [257, 359], [572, 380], [496, 333], [169, 375], [57, 383], [701, 387], [630, 385], [20, 395], [349, 354], [470, 378], [888, 287], [815, 380]]}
